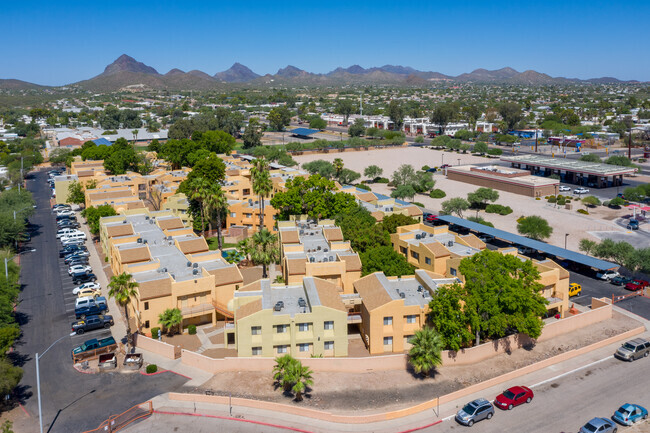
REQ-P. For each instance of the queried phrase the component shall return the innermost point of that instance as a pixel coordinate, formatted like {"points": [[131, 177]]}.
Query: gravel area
{"points": [[372, 391]]}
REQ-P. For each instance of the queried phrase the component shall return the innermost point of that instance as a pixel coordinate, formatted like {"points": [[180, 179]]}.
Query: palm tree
{"points": [[135, 135], [262, 184], [200, 191], [280, 371], [338, 166], [122, 289], [300, 376], [170, 318], [217, 204], [426, 347], [264, 249]]}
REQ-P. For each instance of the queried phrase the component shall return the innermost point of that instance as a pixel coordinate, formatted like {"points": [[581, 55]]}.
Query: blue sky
{"points": [[56, 43]]}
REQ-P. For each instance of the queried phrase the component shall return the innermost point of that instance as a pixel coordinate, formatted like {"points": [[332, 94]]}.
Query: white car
{"points": [[79, 268], [65, 212], [84, 302], [66, 232], [607, 275], [580, 190], [84, 286], [74, 236], [564, 188]]}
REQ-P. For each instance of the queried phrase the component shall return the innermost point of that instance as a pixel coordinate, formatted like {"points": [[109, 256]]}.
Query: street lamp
{"points": [[38, 379], [566, 235]]}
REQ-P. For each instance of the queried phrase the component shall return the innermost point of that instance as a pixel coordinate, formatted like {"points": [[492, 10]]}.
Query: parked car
{"points": [[61, 233], [92, 293], [633, 225], [635, 285], [94, 344], [599, 425], [84, 286], [60, 206], [475, 411], [564, 188], [513, 397], [84, 301], [607, 275], [628, 414], [443, 166], [71, 249], [78, 253], [72, 242], [431, 218], [485, 238], [64, 212], [581, 190], [95, 308], [620, 280], [633, 349], [574, 289], [67, 224], [72, 217], [82, 261], [79, 268], [78, 235], [83, 277], [92, 322]]}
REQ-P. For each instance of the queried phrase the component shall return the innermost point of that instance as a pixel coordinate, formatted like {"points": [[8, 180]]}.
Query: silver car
{"points": [[475, 411], [633, 349], [599, 425]]}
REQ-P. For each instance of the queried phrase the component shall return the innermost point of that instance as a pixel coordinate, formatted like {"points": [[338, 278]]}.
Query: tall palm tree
{"points": [[122, 288], [200, 190], [170, 319], [280, 370], [426, 347], [135, 135], [217, 204], [264, 249], [338, 166], [262, 184], [300, 376]]}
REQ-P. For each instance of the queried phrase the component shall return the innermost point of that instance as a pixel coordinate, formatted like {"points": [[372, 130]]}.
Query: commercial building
{"points": [[393, 309], [173, 268], [317, 249], [505, 179], [303, 319]]}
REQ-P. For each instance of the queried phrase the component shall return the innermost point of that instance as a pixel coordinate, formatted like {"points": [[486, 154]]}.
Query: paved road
{"points": [[72, 401]]}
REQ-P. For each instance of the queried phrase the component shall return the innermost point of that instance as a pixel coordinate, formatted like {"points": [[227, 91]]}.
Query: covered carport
{"points": [[303, 133], [543, 247]]}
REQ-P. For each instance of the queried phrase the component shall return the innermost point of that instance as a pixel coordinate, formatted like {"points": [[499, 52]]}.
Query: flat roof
{"points": [[315, 246], [304, 131], [290, 295], [531, 243], [492, 173], [595, 168]]}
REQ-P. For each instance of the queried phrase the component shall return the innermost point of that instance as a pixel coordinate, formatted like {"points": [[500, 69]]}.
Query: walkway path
{"points": [[206, 344]]}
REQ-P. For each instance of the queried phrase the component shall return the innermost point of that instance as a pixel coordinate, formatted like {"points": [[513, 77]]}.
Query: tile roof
{"points": [[328, 294], [296, 266], [155, 288], [372, 292], [119, 230], [289, 236], [248, 309], [352, 262], [333, 234], [134, 255], [192, 246], [170, 223], [227, 275]]}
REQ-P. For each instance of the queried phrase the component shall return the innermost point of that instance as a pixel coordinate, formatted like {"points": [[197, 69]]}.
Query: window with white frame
{"points": [[257, 351], [329, 325], [388, 341], [256, 330], [329, 345], [303, 347], [388, 320], [303, 327], [281, 349], [411, 318], [281, 329]]}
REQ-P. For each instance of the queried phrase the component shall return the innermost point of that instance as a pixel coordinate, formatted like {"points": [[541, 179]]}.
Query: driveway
{"points": [[71, 401]]}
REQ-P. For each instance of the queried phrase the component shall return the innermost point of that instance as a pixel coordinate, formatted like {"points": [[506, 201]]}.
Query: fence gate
{"points": [[118, 422], [619, 298]]}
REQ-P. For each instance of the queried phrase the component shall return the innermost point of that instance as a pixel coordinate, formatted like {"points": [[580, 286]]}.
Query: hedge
{"points": [[497, 208], [191, 329], [154, 332], [437, 193]]}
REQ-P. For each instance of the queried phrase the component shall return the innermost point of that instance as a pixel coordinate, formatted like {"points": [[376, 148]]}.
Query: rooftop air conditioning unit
{"points": [[144, 241], [331, 258], [402, 295], [189, 263], [195, 265], [150, 221], [312, 260], [139, 240], [146, 217], [163, 270], [195, 271]]}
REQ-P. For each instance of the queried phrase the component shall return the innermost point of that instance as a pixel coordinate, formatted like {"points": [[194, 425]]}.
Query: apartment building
{"points": [[393, 309], [246, 213], [317, 249], [173, 267], [303, 319], [381, 206], [430, 248]]}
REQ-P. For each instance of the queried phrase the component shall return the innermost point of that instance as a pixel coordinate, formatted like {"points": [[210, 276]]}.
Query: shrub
{"points": [[152, 368], [551, 199], [642, 160], [582, 211], [106, 259], [191, 329], [537, 198], [417, 203], [154, 332], [382, 180], [495, 152], [437, 193], [561, 201], [520, 219], [425, 167], [497, 208], [364, 186], [606, 203]]}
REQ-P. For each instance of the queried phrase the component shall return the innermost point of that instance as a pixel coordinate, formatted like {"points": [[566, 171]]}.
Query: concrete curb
{"points": [[385, 416]]}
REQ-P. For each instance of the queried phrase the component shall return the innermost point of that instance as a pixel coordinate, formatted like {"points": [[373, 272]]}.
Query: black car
{"points": [[92, 322], [66, 217], [70, 249], [67, 224], [83, 277]]}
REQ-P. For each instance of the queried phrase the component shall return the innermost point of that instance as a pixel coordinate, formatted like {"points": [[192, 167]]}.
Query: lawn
{"points": [[213, 244]]}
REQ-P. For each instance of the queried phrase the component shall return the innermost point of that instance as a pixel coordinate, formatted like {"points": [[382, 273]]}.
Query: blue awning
{"points": [[102, 140], [531, 243]]}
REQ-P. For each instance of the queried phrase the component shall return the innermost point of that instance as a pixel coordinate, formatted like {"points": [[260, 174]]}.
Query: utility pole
{"points": [[535, 140], [361, 104], [629, 146]]}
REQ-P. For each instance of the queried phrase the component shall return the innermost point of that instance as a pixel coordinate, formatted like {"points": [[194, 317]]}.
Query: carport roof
{"points": [[574, 165], [304, 131], [531, 243]]}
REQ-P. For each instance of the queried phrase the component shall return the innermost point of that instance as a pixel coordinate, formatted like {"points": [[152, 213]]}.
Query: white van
{"points": [[73, 237], [84, 301], [66, 232]]}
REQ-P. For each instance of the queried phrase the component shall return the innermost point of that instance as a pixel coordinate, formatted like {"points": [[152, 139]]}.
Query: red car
{"points": [[635, 285], [513, 397], [431, 218]]}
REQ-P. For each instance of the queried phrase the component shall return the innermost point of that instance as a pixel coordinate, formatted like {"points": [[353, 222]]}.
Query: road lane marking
{"points": [[571, 372]]}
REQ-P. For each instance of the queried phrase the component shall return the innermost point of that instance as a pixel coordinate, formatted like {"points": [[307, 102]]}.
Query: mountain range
{"points": [[126, 72]]}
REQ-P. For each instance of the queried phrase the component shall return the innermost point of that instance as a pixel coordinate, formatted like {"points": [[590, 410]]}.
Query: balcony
{"points": [[197, 309], [354, 317], [223, 310]]}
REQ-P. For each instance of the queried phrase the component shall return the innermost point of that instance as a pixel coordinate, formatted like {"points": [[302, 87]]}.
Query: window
{"points": [[303, 327], [329, 345], [256, 330], [248, 215], [303, 347], [281, 329], [257, 351], [233, 214], [415, 255], [403, 250], [146, 324], [411, 318], [453, 271], [281, 349], [427, 260], [329, 325], [409, 338], [146, 305], [388, 321], [388, 341]]}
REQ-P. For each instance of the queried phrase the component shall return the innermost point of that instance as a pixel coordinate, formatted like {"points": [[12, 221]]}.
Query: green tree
{"points": [[511, 114], [385, 259], [404, 175], [357, 129], [442, 114], [199, 191], [480, 197], [373, 171], [219, 142], [344, 107], [122, 288], [503, 293], [338, 166], [621, 160], [281, 370], [395, 111], [361, 229], [587, 246], [403, 192], [10, 376], [171, 319], [316, 122], [279, 117], [619, 252], [300, 377], [217, 206], [347, 176], [76, 193], [480, 220], [252, 134], [447, 316], [481, 147], [320, 167], [262, 184], [455, 205], [211, 169], [391, 222], [93, 216], [590, 158], [425, 352], [534, 227], [264, 249], [590, 201]]}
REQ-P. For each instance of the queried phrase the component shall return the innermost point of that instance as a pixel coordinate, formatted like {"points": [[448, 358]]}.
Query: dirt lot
{"points": [[391, 390], [186, 341]]}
